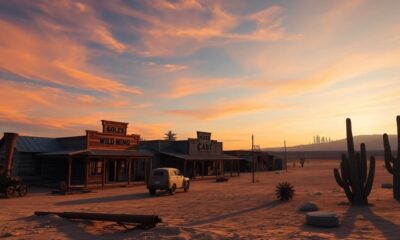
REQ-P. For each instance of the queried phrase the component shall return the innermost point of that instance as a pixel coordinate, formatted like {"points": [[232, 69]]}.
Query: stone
{"points": [[308, 207], [322, 219], [6, 235], [317, 193], [387, 185]]}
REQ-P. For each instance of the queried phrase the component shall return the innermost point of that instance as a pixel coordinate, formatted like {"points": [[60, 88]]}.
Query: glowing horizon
{"points": [[281, 70]]}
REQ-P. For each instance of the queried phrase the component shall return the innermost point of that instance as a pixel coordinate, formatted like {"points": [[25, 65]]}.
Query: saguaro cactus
{"points": [[392, 163], [354, 177]]}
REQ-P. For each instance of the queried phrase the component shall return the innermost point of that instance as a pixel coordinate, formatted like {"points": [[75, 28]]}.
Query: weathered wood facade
{"points": [[196, 157], [97, 159]]}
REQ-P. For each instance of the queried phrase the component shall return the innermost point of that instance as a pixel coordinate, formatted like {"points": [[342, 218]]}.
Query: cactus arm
{"points": [[342, 183], [398, 137], [350, 142], [339, 180], [345, 169], [371, 174], [388, 154]]}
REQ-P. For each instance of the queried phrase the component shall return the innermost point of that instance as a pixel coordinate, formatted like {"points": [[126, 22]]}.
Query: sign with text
{"points": [[97, 140], [204, 145], [117, 128]]}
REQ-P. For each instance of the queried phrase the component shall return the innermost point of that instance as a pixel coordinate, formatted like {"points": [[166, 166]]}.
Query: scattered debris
{"points": [[387, 185], [221, 179], [322, 219], [125, 220], [308, 207]]}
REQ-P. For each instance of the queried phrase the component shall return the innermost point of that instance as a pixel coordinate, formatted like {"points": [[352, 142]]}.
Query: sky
{"points": [[281, 70]]}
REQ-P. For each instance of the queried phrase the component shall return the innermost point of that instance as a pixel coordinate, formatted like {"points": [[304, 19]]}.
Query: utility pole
{"points": [[284, 143], [252, 154]]}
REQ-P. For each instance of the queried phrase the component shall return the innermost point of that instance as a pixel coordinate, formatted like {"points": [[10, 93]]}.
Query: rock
{"points": [[308, 207], [6, 235], [387, 185], [317, 193], [322, 219]]}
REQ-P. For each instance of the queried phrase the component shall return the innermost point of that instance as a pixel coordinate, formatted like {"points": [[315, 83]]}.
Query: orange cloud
{"points": [[223, 110], [52, 59]]}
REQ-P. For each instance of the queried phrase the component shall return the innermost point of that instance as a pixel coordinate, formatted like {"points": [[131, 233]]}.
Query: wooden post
{"points": [[86, 172], [69, 172], [238, 167], [115, 170], [129, 170], [103, 165], [184, 167], [146, 170], [194, 169], [215, 167], [231, 168], [202, 169], [134, 169]]}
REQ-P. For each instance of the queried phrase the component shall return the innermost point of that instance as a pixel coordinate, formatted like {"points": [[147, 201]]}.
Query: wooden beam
{"points": [[184, 167], [69, 172], [238, 167], [194, 169], [134, 169], [202, 169], [129, 170], [231, 168], [86, 172], [103, 172], [115, 170]]}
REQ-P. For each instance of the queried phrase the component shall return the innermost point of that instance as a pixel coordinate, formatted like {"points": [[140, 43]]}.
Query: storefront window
{"points": [[96, 167]]}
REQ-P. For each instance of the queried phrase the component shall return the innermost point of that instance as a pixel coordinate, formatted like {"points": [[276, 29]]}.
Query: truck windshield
{"points": [[158, 173]]}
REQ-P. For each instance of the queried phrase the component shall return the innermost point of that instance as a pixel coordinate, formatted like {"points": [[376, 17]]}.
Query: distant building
{"points": [[263, 160], [195, 157]]}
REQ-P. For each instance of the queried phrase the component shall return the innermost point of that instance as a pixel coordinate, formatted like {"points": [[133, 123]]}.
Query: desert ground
{"points": [[236, 209]]}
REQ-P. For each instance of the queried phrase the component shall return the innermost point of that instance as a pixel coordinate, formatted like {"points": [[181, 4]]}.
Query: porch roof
{"points": [[206, 157], [100, 153]]}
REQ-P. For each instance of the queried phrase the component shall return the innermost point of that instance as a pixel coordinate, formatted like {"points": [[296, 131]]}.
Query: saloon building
{"points": [[94, 160], [195, 157]]}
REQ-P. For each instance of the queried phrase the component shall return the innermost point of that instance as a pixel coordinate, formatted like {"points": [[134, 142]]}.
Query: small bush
{"points": [[284, 191]]}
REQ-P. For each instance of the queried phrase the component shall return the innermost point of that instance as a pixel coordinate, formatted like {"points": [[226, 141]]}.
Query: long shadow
{"points": [[233, 214], [116, 198], [387, 228]]}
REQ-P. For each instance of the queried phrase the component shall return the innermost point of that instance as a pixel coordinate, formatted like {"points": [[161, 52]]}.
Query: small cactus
{"points": [[284, 191], [393, 164]]}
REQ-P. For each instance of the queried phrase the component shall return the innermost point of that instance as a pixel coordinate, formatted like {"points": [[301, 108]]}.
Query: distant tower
{"points": [[314, 139]]}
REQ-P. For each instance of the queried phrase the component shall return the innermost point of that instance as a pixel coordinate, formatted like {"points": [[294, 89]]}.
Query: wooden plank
{"points": [[103, 174], [69, 173], [86, 172], [129, 170]]}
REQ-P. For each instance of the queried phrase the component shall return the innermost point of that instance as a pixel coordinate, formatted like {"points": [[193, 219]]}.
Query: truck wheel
{"points": [[187, 185], [152, 192], [172, 190], [22, 190], [10, 190]]}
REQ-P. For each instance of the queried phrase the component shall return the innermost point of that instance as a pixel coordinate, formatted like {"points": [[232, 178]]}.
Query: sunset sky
{"points": [[278, 69]]}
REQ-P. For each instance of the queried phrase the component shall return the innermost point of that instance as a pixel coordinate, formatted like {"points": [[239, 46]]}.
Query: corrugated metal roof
{"points": [[202, 156], [36, 144], [44, 144], [95, 152]]}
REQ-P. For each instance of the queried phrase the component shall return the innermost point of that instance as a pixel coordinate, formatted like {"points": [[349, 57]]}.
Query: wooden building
{"points": [[196, 157], [98, 159], [263, 160]]}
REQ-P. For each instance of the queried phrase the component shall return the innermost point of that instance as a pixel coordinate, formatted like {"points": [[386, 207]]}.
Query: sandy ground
{"points": [[236, 209]]}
